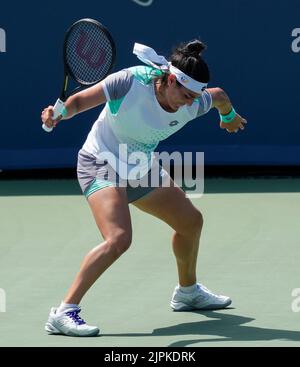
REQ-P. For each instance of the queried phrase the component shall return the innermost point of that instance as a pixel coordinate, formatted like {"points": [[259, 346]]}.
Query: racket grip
{"points": [[47, 129], [57, 111]]}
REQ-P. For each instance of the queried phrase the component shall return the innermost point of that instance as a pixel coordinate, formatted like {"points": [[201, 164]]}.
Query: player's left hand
{"points": [[238, 123]]}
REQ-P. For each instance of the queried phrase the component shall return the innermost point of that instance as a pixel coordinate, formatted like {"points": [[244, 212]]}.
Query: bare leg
{"points": [[171, 205], [111, 213]]}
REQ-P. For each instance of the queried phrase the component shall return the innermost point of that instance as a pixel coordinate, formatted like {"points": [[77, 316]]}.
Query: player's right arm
{"points": [[221, 102], [79, 102]]}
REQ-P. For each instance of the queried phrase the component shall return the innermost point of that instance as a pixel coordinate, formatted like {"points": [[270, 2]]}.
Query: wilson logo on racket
{"points": [[88, 51]]}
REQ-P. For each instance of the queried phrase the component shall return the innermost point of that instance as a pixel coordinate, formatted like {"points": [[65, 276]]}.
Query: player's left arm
{"points": [[229, 119]]}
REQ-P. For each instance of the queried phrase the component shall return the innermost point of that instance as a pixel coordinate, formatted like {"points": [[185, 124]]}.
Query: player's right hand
{"points": [[238, 123], [47, 115]]}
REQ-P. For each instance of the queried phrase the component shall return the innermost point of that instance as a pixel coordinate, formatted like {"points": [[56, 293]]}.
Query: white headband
{"points": [[148, 56]]}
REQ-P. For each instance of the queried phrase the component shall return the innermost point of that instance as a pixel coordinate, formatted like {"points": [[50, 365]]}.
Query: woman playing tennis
{"points": [[142, 104]]}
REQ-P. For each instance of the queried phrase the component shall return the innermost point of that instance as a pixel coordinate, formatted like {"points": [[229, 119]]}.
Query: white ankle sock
{"points": [[66, 306], [189, 289]]}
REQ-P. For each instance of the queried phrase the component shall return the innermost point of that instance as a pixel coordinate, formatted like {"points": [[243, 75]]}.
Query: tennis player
{"points": [[144, 105]]}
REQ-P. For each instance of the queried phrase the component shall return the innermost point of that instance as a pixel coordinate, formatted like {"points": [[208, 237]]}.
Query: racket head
{"points": [[89, 52]]}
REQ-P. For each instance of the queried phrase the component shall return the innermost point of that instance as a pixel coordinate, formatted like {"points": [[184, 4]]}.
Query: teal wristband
{"points": [[64, 112], [229, 117]]}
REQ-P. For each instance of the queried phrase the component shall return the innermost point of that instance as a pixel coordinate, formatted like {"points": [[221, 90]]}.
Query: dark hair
{"points": [[187, 58]]}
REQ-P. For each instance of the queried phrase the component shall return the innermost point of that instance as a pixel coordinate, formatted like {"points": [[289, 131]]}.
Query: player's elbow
{"points": [[219, 97]]}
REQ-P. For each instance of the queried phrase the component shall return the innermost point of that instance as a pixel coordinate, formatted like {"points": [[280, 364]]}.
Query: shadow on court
{"points": [[227, 327]]}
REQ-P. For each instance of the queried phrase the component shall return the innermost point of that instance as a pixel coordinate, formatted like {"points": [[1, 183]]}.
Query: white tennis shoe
{"points": [[69, 323], [201, 299]]}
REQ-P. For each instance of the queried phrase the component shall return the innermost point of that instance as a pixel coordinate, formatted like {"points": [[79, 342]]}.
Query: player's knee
{"points": [[197, 220], [193, 222], [119, 242]]}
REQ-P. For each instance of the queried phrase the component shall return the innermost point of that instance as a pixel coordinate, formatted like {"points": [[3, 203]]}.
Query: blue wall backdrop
{"points": [[253, 54]]}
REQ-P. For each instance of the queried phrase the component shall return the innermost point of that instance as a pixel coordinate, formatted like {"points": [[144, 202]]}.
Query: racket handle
{"points": [[47, 129], [57, 111]]}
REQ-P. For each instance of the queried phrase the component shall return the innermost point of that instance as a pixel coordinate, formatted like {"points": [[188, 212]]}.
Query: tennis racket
{"points": [[89, 54]]}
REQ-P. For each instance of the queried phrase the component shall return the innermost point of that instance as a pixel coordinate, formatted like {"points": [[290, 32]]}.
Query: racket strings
{"points": [[89, 53]]}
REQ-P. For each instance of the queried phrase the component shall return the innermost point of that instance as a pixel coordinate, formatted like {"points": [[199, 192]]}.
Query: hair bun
{"points": [[187, 58], [194, 48]]}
